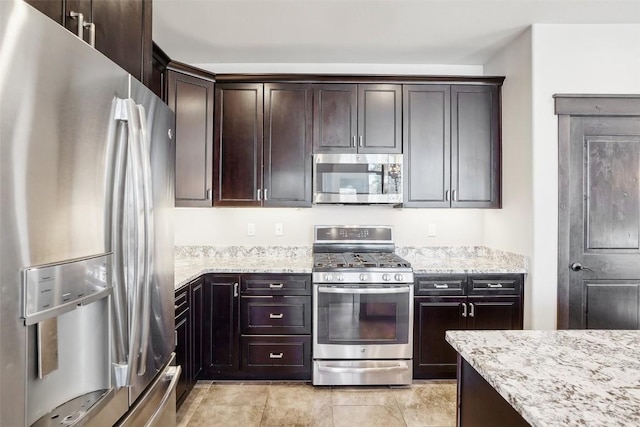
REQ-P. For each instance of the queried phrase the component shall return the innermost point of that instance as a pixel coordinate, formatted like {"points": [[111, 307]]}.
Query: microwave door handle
{"points": [[365, 291]]}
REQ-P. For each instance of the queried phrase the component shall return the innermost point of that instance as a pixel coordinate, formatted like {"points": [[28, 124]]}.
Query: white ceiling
{"points": [[363, 31]]}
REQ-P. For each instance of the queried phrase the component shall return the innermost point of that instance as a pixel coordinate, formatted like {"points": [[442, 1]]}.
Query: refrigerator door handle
{"points": [[120, 320], [134, 226], [145, 164]]}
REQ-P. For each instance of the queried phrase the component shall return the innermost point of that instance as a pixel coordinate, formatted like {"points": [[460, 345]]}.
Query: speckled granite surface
{"points": [[192, 261], [461, 259], [560, 378]]}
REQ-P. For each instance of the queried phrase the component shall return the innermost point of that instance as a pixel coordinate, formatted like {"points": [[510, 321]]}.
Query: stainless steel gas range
{"points": [[362, 309]]}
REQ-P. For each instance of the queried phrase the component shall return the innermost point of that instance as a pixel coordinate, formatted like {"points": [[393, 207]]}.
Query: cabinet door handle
{"points": [[259, 194], [265, 193], [494, 285], [276, 285], [473, 310], [464, 309], [276, 316], [209, 192], [92, 33], [276, 356], [80, 17], [354, 140], [441, 286], [235, 289], [455, 195], [360, 140], [447, 195]]}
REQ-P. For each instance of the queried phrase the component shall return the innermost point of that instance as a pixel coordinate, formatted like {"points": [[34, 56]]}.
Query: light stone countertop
{"points": [[193, 261], [560, 378]]}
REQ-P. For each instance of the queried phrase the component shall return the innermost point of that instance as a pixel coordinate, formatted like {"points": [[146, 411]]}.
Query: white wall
{"points": [[511, 228], [228, 226], [568, 59]]}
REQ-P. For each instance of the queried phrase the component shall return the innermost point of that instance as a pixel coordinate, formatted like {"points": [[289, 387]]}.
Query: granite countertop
{"points": [[193, 261], [560, 378]]}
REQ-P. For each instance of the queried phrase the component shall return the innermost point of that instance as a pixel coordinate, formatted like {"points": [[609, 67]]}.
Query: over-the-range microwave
{"points": [[357, 178]]}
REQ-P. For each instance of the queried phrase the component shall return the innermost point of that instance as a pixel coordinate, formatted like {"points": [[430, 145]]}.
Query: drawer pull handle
{"points": [[276, 316], [276, 285], [494, 285], [276, 356], [176, 307], [441, 286]]}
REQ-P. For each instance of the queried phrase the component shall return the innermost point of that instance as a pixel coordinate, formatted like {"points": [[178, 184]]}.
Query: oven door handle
{"points": [[365, 291]]}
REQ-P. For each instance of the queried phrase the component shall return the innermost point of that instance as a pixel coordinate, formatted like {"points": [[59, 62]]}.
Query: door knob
{"points": [[576, 266]]}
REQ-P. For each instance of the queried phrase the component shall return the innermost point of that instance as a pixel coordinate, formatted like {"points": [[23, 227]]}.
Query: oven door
{"points": [[357, 178], [363, 322]]}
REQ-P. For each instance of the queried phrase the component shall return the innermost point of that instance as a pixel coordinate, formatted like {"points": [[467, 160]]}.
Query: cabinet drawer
{"points": [[451, 285], [181, 301], [495, 285], [275, 315], [277, 357], [276, 284]]}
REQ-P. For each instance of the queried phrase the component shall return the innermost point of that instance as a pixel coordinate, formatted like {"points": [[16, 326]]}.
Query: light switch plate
{"points": [[251, 229], [431, 230], [279, 229]]}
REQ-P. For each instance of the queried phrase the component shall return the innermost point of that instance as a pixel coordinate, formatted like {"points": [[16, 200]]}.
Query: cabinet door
{"points": [[427, 145], [475, 146], [182, 356], [494, 313], [379, 118], [123, 34], [288, 110], [191, 99], [433, 357], [54, 9], [238, 144], [335, 118], [221, 325], [197, 310]]}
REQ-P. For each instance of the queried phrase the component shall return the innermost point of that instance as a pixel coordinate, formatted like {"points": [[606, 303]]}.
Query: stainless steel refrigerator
{"points": [[86, 235]]}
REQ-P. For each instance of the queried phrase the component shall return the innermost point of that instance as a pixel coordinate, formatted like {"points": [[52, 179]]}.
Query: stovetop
{"points": [[359, 260]]}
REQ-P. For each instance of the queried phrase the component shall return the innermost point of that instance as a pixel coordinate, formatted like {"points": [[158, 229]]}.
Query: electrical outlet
{"points": [[279, 229], [251, 229], [431, 230]]}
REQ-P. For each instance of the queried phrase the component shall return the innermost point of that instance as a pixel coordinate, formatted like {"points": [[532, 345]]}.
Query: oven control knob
{"points": [[363, 277], [398, 277], [386, 277], [328, 277], [339, 277]]}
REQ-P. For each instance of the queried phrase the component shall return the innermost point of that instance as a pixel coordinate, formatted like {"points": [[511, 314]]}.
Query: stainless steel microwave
{"points": [[357, 178]]}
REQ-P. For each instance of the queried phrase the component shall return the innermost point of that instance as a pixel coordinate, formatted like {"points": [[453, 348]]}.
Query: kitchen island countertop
{"points": [[560, 378], [193, 261]]}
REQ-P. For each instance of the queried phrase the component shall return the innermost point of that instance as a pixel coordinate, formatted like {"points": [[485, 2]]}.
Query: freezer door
{"points": [[156, 407], [152, 338]]}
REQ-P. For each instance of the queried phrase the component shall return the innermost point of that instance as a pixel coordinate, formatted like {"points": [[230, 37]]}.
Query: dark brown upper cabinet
{"points": [[190, 96], [357, 118], [451, 142], [122, 29], [262, 144]]}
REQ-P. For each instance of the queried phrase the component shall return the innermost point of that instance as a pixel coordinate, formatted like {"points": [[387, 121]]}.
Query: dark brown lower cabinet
{"points": [[189, 304], [221, 323], [183, 342], [457, 302], [479, 404], [276, 357]]}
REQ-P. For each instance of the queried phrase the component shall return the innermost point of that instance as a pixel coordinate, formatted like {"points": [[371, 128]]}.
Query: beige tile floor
{"points": [[425, 403]]}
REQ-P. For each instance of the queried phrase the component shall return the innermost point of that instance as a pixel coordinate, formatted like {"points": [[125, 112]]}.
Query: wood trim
{"points": [[564, 132], [191, 71], [160, 56], [597, 105], [321, 78]]}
